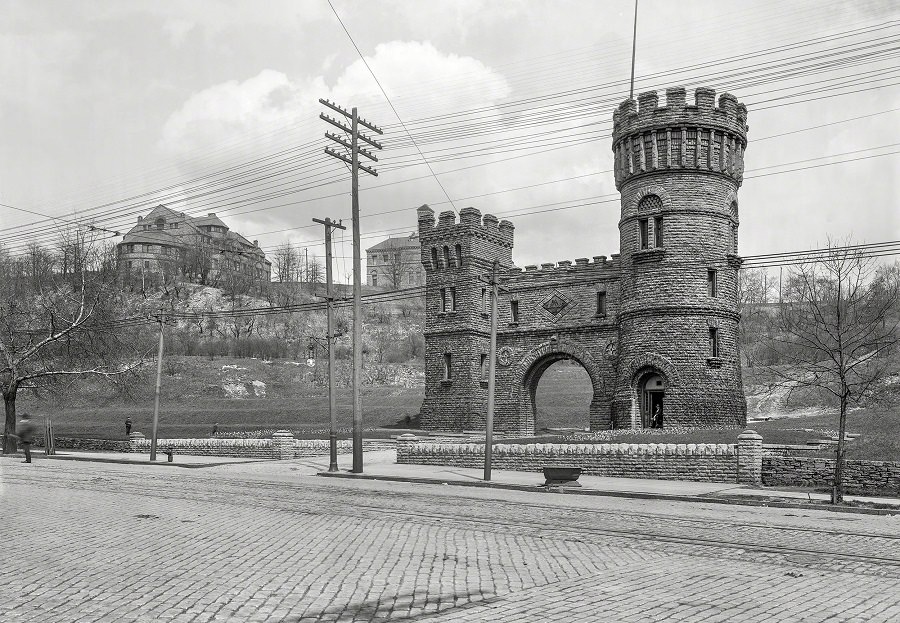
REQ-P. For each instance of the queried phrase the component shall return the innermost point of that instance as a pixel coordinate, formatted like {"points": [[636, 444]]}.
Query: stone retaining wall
{"points": [[281, 446], [93, 445], [859, 476], [699, 462]]}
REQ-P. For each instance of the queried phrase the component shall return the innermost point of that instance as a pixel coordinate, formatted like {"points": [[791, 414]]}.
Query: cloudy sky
{"points": [[111, 107]]}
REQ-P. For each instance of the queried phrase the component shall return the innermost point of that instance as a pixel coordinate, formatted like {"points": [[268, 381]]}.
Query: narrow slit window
{"points": [[711, 285], [452, 299], [514, 311], [484, 367], [434, 258], [459, 259], [447, 257], [644, 233], [658, 231], [443, 299], [601, 303], [448, 366], [484, 300], [713, 342]]}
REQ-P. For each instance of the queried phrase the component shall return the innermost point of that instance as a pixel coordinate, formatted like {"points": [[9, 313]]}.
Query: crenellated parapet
{"points": [[563, 269], [702, 136], [448, 243]]}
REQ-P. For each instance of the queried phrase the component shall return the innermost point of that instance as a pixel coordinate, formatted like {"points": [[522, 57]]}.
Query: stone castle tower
{"points": [[655, 326], [678, 168]]}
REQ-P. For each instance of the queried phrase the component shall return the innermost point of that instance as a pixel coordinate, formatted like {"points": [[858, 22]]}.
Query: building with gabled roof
{"points": [[395, 263], [199, 249]]}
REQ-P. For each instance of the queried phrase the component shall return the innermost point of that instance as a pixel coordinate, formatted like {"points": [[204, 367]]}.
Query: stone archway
{"points": [[535, 362], [639, 399]]}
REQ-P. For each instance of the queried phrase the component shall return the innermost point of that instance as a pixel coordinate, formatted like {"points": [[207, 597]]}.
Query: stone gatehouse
{"points": [[655, 326]]}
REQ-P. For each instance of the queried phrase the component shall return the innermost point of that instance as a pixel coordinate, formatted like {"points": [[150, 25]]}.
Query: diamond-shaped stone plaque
{"points": [[555, 305]]}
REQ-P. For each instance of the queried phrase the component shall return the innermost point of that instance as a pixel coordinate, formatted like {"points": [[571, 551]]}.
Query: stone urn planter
{"points": [[562, 476]]}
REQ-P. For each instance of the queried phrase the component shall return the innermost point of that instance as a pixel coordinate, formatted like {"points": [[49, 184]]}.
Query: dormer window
{"points": [[160, 223]]}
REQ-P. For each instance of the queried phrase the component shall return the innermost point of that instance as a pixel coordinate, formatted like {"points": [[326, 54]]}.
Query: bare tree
{"points": [[754, 287], [62, 326], [837, 327], [396, 269], [286, 264]]}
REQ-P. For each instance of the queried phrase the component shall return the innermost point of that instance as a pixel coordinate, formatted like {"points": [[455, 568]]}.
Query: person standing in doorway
{"points": [[656, 420], [127, 425], [25, 433]]}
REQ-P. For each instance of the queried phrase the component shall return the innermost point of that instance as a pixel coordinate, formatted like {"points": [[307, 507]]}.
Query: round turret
{"points": [[678, 168]]}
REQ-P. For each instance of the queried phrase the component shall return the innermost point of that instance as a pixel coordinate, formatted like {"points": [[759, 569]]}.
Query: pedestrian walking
{"points": [[25, 433], [127, 425], [215, 429]]}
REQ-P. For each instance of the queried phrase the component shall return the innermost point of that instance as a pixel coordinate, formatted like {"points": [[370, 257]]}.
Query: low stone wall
{"points": [[859, 476], [700, 462], [93, 445], [282, 445]]}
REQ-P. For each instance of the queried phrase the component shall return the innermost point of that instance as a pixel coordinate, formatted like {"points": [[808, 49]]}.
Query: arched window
{"points": [[434, 258], [446, 257], [650, 229], [160, 223], [459, 260]]}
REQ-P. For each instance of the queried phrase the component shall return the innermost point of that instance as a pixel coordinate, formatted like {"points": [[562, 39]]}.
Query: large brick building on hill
{"points": [[200, 249], [654, 326], [395, 263]]}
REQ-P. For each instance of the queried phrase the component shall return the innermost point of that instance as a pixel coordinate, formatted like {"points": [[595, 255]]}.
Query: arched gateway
{"points": [[654, 326]]}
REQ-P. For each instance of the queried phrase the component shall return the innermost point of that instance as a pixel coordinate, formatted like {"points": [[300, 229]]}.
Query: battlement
{"points": [[567, 267], [471, 223], [646, 114], [701, 136]]}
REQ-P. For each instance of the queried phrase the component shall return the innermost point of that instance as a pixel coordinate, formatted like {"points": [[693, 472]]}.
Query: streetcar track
{"points": [[236, 487]]}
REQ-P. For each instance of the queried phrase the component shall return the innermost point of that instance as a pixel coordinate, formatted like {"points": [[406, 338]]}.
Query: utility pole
{"points": [[159, 359], [329, 305], [492, 363], [355, 166]]}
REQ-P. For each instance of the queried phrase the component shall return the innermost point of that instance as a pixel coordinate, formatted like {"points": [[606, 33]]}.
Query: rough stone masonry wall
{"points": [[701, 462], [92, 445], [859, 476]]}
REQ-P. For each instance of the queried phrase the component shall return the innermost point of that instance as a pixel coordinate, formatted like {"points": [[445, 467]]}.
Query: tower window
{"points": [[514, 311], [601, 303], [485, 369], [676, 147], [711, 285], [459, 259], [713, 342], [644, 233], [452, 299], [662, 149], [448, 366], [434, 258], [443, 299], [483, 300], [648, 151], [447, 257], [658, 231]]}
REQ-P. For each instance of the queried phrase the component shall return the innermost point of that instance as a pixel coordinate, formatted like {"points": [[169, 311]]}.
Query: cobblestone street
{"points": [[272, 542]]}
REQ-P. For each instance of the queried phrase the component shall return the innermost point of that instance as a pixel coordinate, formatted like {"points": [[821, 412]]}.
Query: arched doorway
{"points": [[562, 397], [536, 362], [652, 389]]}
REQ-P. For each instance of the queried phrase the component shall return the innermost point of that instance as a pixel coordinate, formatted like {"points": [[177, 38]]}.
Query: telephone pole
{"points": [[489, 421], [355, 150], [159, 359], [329, 336]]}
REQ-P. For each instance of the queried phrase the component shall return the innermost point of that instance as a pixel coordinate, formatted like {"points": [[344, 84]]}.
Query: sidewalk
{"points": [[381, 465], [377, 468]]}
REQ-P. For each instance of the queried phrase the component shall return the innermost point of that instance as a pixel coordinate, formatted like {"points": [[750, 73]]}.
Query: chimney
{"points": [[256, 243], [211, 215], [140, 218]]}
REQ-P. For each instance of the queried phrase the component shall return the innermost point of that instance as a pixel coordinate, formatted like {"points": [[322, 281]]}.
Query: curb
{"points": [[90, 459], [639, 495]]}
